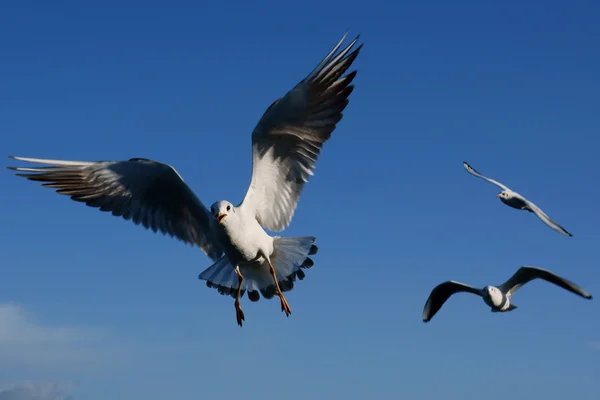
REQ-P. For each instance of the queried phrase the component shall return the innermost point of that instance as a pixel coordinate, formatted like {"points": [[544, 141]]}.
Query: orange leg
{"points": [[239, 314], [285, 307]]}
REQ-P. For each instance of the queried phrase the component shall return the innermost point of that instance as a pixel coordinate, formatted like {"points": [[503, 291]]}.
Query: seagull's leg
{"points": [[285, 307], [239, 314]]}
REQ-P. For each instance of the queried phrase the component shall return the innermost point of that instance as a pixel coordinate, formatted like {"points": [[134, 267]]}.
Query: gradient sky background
{"points": [[111, 310]]}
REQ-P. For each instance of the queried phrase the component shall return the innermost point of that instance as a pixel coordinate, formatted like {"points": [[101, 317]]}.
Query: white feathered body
{"points": [[245, 241], [494, 298], [514, 200], [249, 247]]}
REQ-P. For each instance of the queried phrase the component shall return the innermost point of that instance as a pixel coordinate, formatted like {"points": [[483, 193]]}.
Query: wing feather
{"points": [[288, 139], [472, 171], [528, 273], [441, 293], [545, 218], [147, 192]]}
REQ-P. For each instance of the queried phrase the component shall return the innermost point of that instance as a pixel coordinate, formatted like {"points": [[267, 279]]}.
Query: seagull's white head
{"points": [[494, 295], [504, 195], [221, 209]]}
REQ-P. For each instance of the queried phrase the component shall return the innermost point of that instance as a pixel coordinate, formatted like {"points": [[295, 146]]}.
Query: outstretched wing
{"points": [[528, 273], [441, 293], [545, 218], [144, 191], [472, 171], [288, 139]]}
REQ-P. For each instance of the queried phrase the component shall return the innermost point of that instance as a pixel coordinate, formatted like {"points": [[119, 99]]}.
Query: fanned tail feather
{"points": [[221, 276], [289, 258]]}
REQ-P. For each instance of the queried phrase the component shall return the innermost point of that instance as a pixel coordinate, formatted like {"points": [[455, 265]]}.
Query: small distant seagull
{"points": [[286, 143], [498, 298], [515, 200]]}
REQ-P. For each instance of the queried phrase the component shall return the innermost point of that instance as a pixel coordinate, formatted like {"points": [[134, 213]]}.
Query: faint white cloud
{"points": [[35, 391], [594, 345], [26, 342], [32, 348], [19, 327]]}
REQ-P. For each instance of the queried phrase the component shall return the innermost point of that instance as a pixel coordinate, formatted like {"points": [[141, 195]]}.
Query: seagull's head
{"points": [[504, 195], [221, 209]]}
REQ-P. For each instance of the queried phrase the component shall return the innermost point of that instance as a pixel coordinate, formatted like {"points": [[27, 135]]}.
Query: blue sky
{"points": [[107, 308]]}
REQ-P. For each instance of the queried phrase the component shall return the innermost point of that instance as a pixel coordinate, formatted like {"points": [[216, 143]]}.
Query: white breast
{"points": [[248, 239]]}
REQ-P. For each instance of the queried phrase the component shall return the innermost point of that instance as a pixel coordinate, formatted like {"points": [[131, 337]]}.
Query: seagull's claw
{"points": [[285, 307], [239, 314]]}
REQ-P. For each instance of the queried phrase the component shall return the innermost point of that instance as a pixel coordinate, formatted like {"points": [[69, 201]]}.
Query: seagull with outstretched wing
{"points": [[498, 298], [515, 200], [286, 143]]}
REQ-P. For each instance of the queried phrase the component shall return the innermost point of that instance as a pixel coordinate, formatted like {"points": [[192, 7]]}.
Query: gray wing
{"points": [[441, 293], [528, 273], [545, 218], [290, 135], [144, 191], [472, 171]]}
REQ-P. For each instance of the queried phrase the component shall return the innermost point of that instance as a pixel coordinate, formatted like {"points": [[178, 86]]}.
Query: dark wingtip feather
{"points": [[29, 176], [300, 274], [268, 292], [308, 263], [288, 284], [224, 290], [313, 250], [253, 296], [357, 50], [350, 77]]}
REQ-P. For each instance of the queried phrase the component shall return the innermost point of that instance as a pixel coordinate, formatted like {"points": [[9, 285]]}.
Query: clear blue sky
{"points": [[115, 311]]}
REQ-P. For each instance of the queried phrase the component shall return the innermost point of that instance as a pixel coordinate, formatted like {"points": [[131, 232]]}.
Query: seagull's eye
{"points": [[228, 208]]}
